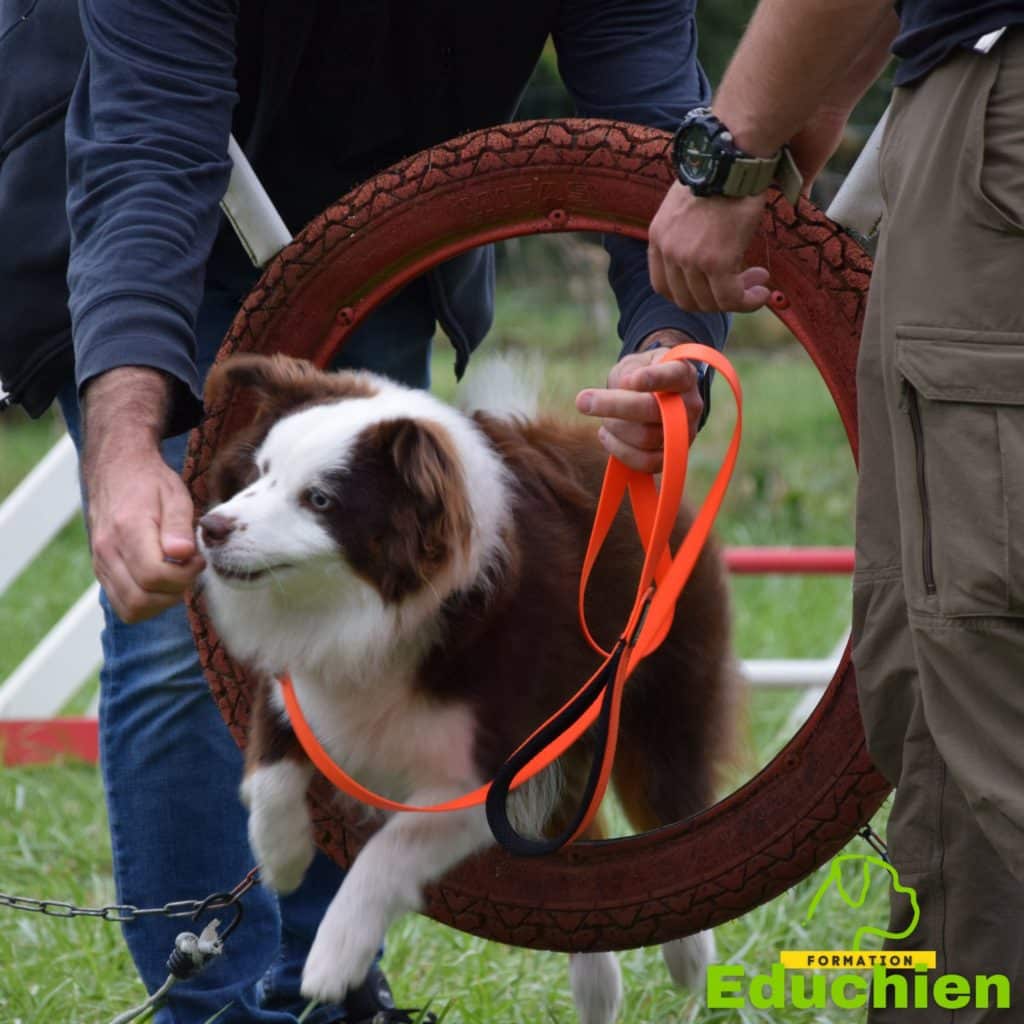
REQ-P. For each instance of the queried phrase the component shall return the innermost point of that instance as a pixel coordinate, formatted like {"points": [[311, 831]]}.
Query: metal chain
{"points": [[121, 912]]}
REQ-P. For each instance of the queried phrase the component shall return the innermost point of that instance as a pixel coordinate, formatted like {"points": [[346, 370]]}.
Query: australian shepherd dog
{"points": [[415, 569]]}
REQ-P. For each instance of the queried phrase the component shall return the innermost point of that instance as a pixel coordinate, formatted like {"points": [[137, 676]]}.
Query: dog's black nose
{"points": [[216, 528]]}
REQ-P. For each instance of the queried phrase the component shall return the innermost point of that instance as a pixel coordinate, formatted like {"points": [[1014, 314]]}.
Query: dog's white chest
{"points": [[390, 739]]}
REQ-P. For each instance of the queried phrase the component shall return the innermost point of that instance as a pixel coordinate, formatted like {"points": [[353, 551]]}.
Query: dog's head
{"points": [[346, 489]]}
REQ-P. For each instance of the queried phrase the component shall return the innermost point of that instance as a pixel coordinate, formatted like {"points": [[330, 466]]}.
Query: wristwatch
{"points": [[704, 372], [706, 158]]}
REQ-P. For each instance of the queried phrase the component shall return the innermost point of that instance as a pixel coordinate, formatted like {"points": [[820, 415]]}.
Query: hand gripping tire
{"points": [[574, 175]]}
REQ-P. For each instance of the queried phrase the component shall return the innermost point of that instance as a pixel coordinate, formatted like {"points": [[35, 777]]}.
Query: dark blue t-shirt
{"points": [[930, 30]]}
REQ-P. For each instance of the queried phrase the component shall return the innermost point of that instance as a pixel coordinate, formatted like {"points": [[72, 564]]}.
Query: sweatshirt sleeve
{"points": [[147, 137], [636, 60]]}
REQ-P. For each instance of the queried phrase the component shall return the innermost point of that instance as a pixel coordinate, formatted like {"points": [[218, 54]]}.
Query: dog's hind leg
{"points": [[664, 773], [596, 978], [596, 982]]}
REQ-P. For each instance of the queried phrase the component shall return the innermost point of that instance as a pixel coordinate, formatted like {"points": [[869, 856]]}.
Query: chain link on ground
{"points": [[122, 912], [191, 953]]}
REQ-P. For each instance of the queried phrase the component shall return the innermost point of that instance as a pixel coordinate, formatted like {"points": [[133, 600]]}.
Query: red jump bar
{"points": [[751, 561], [41, 740]]}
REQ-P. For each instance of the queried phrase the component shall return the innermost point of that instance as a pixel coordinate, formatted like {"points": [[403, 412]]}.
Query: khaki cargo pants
{"points": [[939, 583]]}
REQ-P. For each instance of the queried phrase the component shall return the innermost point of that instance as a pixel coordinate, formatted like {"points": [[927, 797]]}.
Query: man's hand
{"points": [[782, 86], [631, 428], [695, 253], [140, 513]]}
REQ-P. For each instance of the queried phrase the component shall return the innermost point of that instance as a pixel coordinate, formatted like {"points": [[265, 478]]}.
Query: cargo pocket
{"points": [[963, 397]]}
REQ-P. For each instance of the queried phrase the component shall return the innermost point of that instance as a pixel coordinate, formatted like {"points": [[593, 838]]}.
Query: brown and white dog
{"points": [[415, 569]]}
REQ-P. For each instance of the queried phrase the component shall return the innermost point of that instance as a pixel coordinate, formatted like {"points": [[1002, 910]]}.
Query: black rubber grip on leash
{"points": [[498, 794]]}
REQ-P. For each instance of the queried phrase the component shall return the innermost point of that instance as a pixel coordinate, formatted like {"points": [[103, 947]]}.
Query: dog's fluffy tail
{"points": [[506, 385]]}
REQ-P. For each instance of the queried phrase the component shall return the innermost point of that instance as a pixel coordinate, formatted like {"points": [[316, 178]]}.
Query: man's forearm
{"points": [[147, 144], [783, 69], [126, 408]]}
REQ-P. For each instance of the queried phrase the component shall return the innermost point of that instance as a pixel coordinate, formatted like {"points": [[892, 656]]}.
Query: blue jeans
{"points": [[171, 771]]}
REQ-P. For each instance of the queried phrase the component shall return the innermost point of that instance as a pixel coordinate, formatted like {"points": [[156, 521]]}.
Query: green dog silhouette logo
{"points": [[855, 902]]}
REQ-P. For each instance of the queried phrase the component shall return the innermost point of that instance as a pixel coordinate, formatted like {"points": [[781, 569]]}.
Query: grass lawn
{"points": [[794, 485]]}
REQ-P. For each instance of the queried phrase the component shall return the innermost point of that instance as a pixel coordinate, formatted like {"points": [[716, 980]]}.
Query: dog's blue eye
{"points": [[318, 499]]}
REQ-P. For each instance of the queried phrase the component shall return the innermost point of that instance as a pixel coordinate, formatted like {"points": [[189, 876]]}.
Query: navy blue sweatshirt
{"points": [[930, 30], [165, 81]]}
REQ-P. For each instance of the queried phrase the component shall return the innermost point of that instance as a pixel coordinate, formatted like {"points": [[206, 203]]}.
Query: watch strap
{"points": [[750, 176]]}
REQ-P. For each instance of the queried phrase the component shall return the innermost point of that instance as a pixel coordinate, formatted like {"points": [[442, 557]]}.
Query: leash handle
{"points": [[661, 581], [599, 699]]}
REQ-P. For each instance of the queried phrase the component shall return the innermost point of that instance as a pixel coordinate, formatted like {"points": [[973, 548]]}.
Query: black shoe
{"points": [[373, 1003]]}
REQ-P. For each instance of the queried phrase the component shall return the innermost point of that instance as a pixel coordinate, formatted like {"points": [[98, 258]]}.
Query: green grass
{"points": [[77, 972], [794, 485]]}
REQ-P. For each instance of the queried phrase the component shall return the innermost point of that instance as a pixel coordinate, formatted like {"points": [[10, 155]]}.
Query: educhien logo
{"points": [[856, 978]]}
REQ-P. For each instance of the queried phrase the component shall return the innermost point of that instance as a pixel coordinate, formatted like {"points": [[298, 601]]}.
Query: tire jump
{"points": [[529, 178]]}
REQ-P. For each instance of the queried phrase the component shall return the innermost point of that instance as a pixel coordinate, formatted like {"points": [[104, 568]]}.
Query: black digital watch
{"points": [[706, 158]]}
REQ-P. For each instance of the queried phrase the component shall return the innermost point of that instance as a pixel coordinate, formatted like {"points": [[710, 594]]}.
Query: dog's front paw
{"points": [[280, 830], [341, 955]]}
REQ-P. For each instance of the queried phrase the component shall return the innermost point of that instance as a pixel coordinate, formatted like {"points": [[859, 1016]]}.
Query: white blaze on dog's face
{"points": [[385, 500]]}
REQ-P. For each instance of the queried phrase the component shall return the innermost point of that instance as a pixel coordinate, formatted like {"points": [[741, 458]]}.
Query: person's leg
{"points": [[883, 653], [177, 828], [171, 775], [941, 364]]}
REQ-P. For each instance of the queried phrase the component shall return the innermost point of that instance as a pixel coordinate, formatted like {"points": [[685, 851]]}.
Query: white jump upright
{"points": [[59, 665], [41, 505], [45, 501]]}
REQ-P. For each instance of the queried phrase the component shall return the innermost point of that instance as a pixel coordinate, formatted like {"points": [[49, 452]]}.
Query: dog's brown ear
{"points": [[279, 382], [234, 466], [268, 387], [423, 458], [430, 513], [282, 383]]}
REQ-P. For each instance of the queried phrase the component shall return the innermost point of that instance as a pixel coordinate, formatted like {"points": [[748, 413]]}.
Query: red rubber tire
{"points": [[575, 175]]}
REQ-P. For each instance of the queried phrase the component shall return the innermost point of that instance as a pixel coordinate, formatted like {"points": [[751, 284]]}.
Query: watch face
{"points": [[696, 158]]}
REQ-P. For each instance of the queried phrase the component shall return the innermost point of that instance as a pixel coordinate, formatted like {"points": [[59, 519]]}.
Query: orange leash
{"points": [[599, 700]]}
